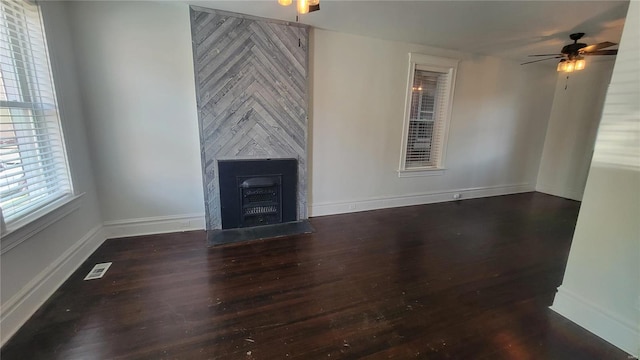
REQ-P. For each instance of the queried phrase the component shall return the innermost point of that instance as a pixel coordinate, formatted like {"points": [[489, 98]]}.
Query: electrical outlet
{"points": [[457, 196], [352, 206]]}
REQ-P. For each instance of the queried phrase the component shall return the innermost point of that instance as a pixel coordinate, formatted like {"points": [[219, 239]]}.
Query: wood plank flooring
{"points": [[460, 280]]}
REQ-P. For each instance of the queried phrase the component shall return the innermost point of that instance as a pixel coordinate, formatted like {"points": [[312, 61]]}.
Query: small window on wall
{"points": [[427, 112]]}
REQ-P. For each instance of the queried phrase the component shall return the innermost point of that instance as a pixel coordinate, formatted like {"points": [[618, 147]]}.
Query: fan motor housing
{"points": [[572, 50]]}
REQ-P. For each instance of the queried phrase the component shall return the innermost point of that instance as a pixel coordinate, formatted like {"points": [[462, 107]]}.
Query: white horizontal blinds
{"points": [[618, 141], [426, 119], [33, 166]]}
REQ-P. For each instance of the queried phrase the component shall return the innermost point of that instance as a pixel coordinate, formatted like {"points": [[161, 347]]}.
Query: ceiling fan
{"points": [[572, 55]]}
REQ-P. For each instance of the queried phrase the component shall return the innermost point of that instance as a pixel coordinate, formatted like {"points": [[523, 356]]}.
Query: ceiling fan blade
{"points": [[547, 55], [603, 52], [529, 62], [594, 47]]}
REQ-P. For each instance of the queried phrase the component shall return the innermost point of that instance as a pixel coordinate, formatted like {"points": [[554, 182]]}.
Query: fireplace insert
{"points": [[260, 200], [257, 192]]}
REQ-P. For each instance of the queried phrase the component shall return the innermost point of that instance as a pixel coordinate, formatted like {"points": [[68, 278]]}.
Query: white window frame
{"points": [[56, 207], [434, 64]]}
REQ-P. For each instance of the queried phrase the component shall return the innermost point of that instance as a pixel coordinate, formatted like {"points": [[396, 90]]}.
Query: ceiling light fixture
{"points": [[302, 6], [571, 65]]}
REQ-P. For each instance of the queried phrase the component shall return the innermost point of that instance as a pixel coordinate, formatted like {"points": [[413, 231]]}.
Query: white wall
{"points": [[33, 270], [136, 70], [135, 63], [601, 286], [500, 113], [572, 129]]}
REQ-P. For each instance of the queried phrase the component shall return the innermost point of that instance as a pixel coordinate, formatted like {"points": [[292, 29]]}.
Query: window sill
{"points": [[421, 172], [39, 220]]}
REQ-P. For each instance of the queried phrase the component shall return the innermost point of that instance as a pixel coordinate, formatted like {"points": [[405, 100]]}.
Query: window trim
{"points": [[435, 64], [25, 226]]}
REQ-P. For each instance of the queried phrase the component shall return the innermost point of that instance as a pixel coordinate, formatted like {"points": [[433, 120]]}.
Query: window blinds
{"points": [[33, 165], [429, 98]]}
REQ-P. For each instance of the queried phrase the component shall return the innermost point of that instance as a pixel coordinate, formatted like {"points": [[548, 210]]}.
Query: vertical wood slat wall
{"points": [[251, 90]]}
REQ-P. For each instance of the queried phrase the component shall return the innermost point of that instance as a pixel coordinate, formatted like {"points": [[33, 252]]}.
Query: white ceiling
{"points": [[510, 29]]}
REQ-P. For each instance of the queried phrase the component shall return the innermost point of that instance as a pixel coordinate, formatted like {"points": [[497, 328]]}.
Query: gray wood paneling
{"points": [[251, 84]]}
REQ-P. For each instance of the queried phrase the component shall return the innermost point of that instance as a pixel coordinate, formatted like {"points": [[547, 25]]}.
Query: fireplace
{"points": [[247, 112], [257, 192]]}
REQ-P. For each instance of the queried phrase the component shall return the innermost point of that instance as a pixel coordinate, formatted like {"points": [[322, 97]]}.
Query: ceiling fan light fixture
{"points": [[561, 65], [571, 65], [285, 2], [303, 6]]}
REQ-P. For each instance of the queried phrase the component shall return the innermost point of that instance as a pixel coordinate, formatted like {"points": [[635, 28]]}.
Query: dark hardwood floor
{"points": [[459, 280]]}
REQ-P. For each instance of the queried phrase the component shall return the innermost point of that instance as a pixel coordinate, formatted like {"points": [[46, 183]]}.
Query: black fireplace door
{"points": [[257, 192]]}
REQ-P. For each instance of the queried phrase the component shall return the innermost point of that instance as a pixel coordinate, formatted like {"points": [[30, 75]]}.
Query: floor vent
{"points": [[98, 271]]}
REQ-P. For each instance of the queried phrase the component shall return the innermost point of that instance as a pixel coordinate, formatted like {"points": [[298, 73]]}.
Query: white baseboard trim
{"points": [[154, 225], [621, 333], [332, 208], [569, 193], [19, 308]]}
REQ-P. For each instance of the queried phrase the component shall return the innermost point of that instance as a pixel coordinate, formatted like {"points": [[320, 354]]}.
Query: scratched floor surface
{"points": [[465, 280]]}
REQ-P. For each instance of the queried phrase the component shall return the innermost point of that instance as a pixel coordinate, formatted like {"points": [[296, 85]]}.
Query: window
{"points": [[33, 164], [428, 107]]}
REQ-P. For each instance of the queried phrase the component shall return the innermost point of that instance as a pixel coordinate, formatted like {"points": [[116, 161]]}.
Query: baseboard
{"points": [[154, 225], [568, 193], [615, 330], [332, 208], [19, 308]]}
